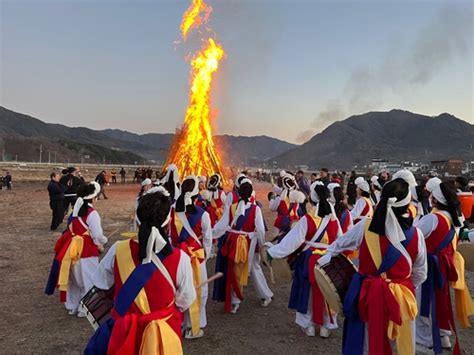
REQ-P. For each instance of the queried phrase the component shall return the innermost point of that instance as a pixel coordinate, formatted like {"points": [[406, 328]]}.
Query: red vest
{"points": [[159, 294], [399, 270], [78, 228]]}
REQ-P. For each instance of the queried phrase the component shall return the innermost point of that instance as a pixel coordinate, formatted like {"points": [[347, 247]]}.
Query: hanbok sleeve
{"points": [[420, 267], [291, 242], [185, 291], [104, 275], [95, 228]]}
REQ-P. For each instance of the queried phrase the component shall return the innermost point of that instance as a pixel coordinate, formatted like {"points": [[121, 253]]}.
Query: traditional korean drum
{"points": [[334, 279], [97, 305]]}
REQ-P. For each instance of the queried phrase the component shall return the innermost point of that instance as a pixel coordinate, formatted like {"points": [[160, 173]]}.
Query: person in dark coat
{"points": [[7, 181], [122, 175], [56, 200], [72, 183], [102, 180], [352, 189]]}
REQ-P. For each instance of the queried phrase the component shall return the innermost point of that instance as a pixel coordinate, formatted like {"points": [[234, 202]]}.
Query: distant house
{"points": [[451, 167], [377, 165]]}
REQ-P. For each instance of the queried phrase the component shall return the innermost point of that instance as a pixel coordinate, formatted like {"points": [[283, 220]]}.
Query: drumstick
{"points": [[214, 277], [113, 233], [269, 266]]}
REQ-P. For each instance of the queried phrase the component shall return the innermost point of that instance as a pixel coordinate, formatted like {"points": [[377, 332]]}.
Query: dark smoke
{"points": [[447, 36]]}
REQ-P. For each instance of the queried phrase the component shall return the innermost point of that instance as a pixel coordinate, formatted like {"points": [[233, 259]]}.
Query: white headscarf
{"points": [[172, 168], [375, 181], [331, 188], [432, 183], [237, 178], [188, 195], [362, 184], [393, 231], [80, 200], [240, 210], [406, 175], [438, 194], [156, 242], [145, 182]]}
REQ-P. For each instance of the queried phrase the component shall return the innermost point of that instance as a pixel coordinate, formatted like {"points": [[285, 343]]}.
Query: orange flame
{"points": [[191, 18], [193, 150]]}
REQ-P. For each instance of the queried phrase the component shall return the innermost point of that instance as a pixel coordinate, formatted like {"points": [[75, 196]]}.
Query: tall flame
{"points": [[191, 18], [193, 150]]}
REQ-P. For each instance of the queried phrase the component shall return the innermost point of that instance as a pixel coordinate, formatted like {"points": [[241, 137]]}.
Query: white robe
{"points": [[82, 272], [256, 238], [424, 335], [207, 245], [289, 244]]}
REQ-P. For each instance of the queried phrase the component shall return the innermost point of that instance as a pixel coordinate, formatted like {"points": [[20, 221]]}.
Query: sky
{"points": [[291, 68]]}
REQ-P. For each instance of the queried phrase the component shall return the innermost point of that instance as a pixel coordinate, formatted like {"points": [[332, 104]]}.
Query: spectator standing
{"points": [[352, 189], [56, 200], [113, 173], [324, 176], [101, 179], [302, 182], [122, 175], [7, 181], [72, 183]]}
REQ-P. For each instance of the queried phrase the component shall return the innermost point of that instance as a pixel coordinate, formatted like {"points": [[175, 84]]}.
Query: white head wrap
{"points": [[80, 200], [172, 168], [432, 183], [188, 195], [438, 194], [331, 188], [156, 242], [314, 196], [362, 184], [406, 175], [393, 231], [240, 210], [145, 182], [237, 178], [375, 181]]}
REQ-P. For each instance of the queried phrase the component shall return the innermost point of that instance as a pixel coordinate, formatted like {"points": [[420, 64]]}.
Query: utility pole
{"points": [[55, 158], [49, 157], [41, 152]]}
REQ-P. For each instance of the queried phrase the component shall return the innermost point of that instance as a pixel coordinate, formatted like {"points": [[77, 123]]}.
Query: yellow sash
{"points": [[72, 255], [178, 225], [242, 260], [126, 265], [405, 298], [159, 338], [195, 307]]}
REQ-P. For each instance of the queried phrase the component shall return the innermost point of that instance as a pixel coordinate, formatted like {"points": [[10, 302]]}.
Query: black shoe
{"points": [[54, 228]]}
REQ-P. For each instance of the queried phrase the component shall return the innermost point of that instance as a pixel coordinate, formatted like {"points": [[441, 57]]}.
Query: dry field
{"points": [[35, 323]]}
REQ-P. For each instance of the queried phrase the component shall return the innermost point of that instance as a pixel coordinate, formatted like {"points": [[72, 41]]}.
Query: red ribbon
{"points": [[378, 306]]}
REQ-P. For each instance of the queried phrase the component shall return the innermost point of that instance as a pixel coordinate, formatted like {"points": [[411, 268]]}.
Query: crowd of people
{"points": [[6, 181], [402, 235]]}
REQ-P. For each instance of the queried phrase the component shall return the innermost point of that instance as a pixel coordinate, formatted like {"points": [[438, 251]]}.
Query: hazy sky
{"points": [[292, 67]]}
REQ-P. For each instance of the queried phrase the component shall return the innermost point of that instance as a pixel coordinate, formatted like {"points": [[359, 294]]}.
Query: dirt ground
{"points": [[35, 323]]}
